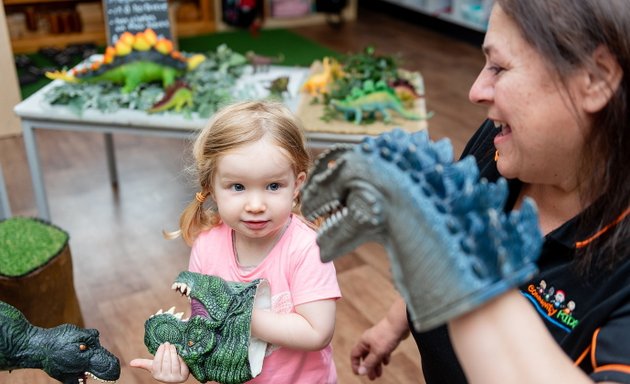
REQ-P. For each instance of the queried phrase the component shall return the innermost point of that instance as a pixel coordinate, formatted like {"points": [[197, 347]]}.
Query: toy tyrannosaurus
{"points": [[215, 342], [134, 60], [450, 243], [66, 353]]}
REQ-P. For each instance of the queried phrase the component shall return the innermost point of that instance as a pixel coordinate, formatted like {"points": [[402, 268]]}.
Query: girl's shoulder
{"points": [[219, 231], [300, 227]]}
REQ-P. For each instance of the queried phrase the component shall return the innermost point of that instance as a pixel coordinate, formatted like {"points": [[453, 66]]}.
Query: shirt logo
{"points": [[553, 304]]}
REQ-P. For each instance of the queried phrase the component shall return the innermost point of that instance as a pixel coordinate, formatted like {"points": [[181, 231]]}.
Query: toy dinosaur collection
{"points": [[138, 59], [215, 341], [451, 245], [66, 353], [364, 87]]}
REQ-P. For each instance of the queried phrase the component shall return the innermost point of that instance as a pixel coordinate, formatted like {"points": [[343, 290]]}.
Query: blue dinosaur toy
{"points": [[450, 243]]}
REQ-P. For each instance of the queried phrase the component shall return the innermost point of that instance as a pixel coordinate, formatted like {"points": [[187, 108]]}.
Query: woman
{"points": [[556, 89]]}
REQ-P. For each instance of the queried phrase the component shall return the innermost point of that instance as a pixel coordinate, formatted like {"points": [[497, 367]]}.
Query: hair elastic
{"points": [[200, 197]]}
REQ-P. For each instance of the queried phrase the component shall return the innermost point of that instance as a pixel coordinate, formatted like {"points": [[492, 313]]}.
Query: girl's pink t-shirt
{"points": [[296, 275]]}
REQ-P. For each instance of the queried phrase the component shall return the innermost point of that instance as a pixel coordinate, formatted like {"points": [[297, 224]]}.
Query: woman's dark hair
{"points": [[566, 33]]}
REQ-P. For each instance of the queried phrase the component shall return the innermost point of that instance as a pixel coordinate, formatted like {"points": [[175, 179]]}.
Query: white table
{"points": [[36, 113]]}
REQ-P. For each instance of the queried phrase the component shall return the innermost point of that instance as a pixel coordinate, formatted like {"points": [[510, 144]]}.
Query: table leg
{"points": [[111, 159], [5, 208], [37, 178]]}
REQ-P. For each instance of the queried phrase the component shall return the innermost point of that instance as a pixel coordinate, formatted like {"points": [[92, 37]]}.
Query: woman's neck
{"points": [[555, 205]]}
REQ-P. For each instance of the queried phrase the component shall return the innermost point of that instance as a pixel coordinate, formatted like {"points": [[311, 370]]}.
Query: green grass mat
{"points": [[296, 49], [26, 244]]}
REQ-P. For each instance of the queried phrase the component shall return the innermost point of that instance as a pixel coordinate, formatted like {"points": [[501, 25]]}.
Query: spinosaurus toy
{"points": [[450, 244], [66, 353], [215, 342], [137, 59]]}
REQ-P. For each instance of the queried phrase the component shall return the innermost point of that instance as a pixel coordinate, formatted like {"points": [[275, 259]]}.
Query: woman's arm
{"points": [[505, 341], [310, 328]]}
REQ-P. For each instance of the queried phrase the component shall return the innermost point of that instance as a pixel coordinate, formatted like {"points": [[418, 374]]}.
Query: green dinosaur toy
{"points": [[135, 60], [215, 342], [177, 96], [66, 353], [381, 101]]}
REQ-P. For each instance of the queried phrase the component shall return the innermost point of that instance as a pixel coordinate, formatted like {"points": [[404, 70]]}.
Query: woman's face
{"points": [[539, 140]]}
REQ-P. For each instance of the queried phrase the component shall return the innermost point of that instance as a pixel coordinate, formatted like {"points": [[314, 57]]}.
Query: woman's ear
{"points": [[602, 80]]}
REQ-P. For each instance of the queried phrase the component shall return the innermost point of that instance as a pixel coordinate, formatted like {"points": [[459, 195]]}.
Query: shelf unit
{"points": [[31, 41], [313, 18], [472, 14]]}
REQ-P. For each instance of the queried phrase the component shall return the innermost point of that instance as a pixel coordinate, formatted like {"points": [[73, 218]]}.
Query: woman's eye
{"points": [[238, 187], [274, 186], [495, 69]]}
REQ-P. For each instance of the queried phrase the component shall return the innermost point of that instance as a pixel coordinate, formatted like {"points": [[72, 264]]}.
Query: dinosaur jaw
{"points": [[86, 375], [349, 219]]}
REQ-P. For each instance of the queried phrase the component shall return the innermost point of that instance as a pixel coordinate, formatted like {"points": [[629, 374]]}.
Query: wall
{"points": [[9, 86]]}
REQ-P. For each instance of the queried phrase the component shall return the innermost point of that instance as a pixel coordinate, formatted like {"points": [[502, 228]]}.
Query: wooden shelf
{"points": [[35, 2], [349, 14], [33, 41]]}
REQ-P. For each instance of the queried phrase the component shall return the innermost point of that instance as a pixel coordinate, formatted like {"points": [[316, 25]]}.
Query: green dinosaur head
{"points": [[215, 342], [66, 352]]}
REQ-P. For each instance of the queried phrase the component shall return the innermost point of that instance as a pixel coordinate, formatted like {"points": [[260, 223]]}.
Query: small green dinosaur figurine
{"points": [[378, 101], [66, 353], [215, 342], [177, 96]]}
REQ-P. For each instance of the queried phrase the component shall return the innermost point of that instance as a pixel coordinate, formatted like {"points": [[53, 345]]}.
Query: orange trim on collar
{"points": [[584, 243], [613, 367], [582, 356], [594, 348]]}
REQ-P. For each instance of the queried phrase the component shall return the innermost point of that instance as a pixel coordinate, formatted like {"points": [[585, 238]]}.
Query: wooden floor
{"points": [[123, 268]]}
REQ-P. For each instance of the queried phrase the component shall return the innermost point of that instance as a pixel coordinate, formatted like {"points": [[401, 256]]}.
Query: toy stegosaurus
{"points": [[137, 59]]}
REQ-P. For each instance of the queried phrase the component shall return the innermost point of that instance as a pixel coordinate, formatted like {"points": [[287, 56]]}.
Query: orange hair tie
{"points": [[200, 197]]}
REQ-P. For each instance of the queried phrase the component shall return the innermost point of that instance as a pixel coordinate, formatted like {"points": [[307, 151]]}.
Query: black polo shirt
{"points": [[588, 317]]}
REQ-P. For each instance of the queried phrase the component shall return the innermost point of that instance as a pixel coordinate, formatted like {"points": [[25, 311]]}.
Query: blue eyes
{"points": [[241, 187]]}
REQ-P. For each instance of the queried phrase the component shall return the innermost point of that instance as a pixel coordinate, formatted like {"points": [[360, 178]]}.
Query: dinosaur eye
{"points": [[331, 164], [83, 347], [191, 343]]}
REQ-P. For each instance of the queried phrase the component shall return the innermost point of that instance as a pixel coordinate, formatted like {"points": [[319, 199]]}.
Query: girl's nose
{"points": [[255, 203]]}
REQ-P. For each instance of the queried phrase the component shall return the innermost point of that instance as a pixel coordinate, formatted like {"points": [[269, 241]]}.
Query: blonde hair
{"points": [[231, 127]]}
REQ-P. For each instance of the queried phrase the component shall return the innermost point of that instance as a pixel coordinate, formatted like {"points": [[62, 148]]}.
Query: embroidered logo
{"points": [[553, 303]]}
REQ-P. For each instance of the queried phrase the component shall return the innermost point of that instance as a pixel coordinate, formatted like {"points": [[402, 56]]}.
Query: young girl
{"points": [[251, 161]]}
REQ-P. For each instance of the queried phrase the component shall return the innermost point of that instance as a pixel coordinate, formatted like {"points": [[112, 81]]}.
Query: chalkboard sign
{"points": [[136, 16]]}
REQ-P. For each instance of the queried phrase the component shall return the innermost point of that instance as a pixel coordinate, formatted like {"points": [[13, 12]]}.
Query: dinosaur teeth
{"points": [[171, 311], [81, 381], [181, 288]]}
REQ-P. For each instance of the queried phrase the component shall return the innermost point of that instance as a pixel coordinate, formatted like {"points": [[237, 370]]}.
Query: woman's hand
{"points": [[166, 365], [376, 344]]}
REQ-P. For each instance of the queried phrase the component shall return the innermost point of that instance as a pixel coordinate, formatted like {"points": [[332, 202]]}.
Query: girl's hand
{"points": [[166, 365]]}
